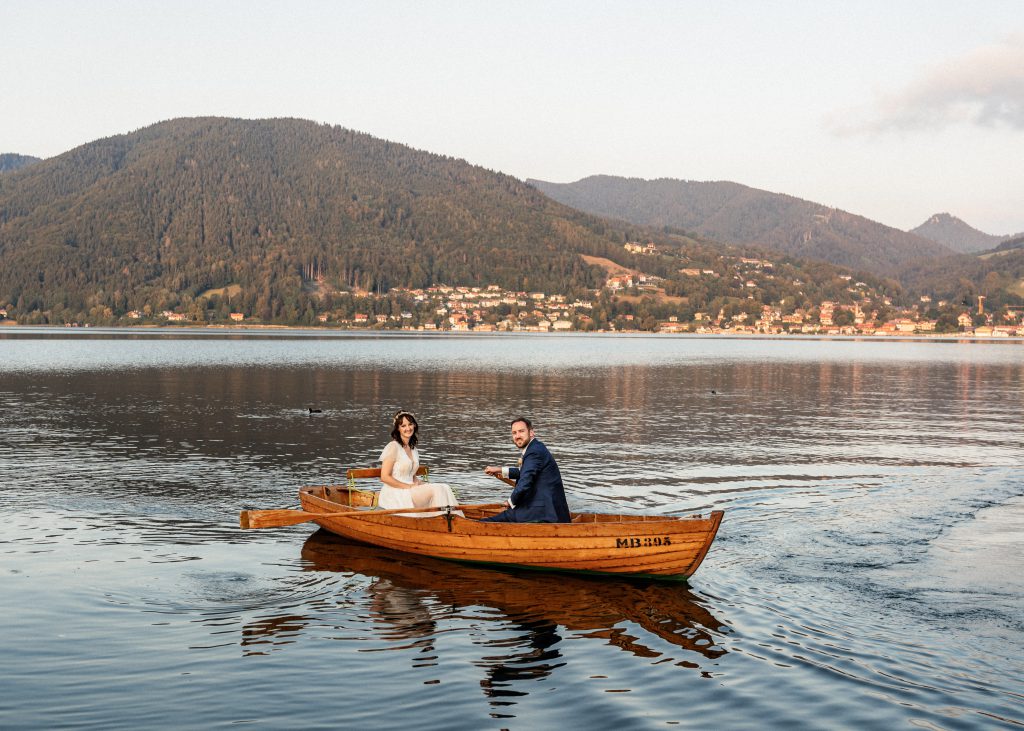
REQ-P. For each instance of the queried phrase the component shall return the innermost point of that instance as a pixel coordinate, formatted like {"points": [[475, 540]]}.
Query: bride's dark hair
{"points": [[397, 435]]}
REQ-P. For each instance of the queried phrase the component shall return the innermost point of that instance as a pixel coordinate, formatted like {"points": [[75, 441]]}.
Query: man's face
{"points": [[521, 436]]}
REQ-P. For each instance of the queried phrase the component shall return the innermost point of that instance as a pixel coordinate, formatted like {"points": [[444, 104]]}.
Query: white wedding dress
{"points": [[428, 494]]}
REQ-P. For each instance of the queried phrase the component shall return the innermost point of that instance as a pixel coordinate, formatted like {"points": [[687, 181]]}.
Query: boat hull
{"points": [[616, 545]]}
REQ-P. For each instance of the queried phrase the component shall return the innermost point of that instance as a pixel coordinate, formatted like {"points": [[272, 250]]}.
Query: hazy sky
{"points": [[894, 110]]}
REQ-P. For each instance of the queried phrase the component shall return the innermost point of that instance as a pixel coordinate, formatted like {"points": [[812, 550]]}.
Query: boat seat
{"points": [[360, 473], [363, 473]]}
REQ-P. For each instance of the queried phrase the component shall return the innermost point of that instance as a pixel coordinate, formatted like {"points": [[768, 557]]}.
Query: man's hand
{"points": [[492, 470]]}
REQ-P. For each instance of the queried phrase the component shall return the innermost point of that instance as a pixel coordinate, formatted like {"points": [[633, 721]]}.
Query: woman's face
{"points": [[406, 429]]}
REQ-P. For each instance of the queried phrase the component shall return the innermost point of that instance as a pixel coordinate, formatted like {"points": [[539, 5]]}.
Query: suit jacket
{"points": [[539, 496]]}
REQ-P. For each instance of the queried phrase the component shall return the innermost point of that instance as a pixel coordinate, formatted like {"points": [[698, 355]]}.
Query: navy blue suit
{"points": [[539, 496]]}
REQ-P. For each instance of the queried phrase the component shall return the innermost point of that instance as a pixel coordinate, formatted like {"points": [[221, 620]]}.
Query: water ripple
{"points": [[867, 571]]}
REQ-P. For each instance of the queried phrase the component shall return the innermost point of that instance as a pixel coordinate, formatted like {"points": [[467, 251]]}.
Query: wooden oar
{"points": [[506, 480], [283, 517]]}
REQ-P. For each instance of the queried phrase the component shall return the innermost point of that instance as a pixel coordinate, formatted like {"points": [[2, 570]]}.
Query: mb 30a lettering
{"points": [[642, 542]]}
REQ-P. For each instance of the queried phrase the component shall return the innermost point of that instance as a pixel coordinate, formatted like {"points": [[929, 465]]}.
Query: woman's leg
{"points": [[443, 495], [422, 495], [433, 495]]}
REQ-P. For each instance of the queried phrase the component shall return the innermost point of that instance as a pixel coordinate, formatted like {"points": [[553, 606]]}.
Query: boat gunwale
{"points": [[645, 523]]}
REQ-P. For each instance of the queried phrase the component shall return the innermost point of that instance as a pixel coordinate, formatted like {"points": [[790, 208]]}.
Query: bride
{"points": [[399, 462]]}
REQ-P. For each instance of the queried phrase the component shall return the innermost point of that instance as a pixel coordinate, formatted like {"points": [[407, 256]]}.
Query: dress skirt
{"points": [[426, 495]]}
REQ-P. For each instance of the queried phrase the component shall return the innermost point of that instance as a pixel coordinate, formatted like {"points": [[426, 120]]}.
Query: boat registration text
{"points": [[646, 542]]}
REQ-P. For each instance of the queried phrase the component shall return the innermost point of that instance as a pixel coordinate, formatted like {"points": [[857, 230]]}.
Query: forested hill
{"points": [[742, 215], [12, 161], [956, 234], [277, 209], [998, 274]]}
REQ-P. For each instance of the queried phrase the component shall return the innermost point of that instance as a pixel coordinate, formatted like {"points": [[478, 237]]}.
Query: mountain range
{"points": [[732, 212], [280, 215]]}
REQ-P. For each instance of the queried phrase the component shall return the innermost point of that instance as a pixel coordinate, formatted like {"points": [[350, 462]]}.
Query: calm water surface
{"points": [[868, 573]]}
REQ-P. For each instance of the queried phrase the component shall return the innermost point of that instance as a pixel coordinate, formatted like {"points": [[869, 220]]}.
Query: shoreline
{"points": [[254, 329]]}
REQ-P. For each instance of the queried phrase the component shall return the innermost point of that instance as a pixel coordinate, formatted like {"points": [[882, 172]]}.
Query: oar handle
{"points": [[506, 480]]}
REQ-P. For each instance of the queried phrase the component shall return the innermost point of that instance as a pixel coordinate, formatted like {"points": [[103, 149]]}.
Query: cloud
{"points": [[984, 87]]}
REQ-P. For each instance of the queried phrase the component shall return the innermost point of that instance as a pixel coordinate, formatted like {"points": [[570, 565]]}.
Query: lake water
{"points": [[868, 572]]}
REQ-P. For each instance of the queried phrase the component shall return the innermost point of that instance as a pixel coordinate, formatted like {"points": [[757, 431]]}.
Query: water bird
{"points": [[315, 411]]}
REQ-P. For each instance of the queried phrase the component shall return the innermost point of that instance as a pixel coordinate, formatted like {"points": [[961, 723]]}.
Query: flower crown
{"points": [[400, 414]]}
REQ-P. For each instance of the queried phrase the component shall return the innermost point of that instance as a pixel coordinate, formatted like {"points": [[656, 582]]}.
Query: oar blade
{"points": [[273, 518]]}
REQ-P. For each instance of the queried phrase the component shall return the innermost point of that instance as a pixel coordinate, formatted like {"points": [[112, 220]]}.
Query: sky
{"points": [[894, 110]]}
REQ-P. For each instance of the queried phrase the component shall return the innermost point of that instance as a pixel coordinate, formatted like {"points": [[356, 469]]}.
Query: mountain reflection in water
{"points": [[409, 596]]}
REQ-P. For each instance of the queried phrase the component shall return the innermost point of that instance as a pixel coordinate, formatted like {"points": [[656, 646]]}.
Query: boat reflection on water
{"points": [[410, 594]]}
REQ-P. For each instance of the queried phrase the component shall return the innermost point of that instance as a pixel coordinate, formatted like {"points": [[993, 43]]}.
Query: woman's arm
{"points": [[387, 465], [416, 465], [388, 479]]}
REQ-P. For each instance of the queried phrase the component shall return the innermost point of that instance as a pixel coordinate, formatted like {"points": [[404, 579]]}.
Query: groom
{"points": [[538, 496]]}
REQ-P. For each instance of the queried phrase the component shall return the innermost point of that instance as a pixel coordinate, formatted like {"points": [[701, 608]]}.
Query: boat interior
{"points": [[352, 497]]}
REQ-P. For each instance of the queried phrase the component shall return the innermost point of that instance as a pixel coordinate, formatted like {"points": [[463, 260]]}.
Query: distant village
{"points": [[465, 309], [492, 308]]}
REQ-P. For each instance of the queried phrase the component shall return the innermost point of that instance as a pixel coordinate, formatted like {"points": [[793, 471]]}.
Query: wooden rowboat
{"points": [[662, 547]]}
